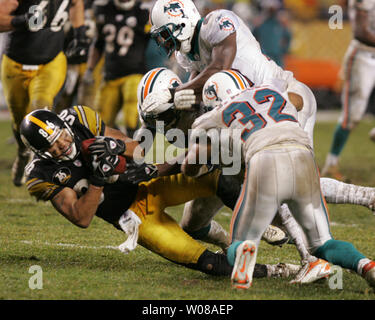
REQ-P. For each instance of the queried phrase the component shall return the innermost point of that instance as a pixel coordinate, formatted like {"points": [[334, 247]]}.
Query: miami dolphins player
{"points": [[280, 168]]}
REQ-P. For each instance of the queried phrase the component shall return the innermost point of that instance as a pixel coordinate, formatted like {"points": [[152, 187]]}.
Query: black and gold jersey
{"points": [[46, 178], [123, 36], [45, 39]]}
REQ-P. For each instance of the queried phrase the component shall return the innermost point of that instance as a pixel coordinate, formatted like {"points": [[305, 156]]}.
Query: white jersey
{"points": [[249, 58], [262, 116]]}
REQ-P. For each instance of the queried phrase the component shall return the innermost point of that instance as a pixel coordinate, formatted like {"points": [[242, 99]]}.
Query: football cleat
{"points": [[242, 274], [368, 272], [332, 171], [282, 270], [275, 236], [312, 271], [18, 168]]}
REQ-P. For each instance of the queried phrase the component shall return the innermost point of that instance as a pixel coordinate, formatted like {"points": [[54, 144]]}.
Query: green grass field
{"points": [[82, 264]]}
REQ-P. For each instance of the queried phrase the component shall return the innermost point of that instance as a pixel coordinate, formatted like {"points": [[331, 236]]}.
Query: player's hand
{"points": [[103, 147], [102, 169], [184, 99], [78, 48], [8, 6], [137, 173], [88, 77], [158, 101]]}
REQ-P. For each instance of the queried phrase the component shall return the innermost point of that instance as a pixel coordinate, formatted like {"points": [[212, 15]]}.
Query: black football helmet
{"points": [[41, 128]]}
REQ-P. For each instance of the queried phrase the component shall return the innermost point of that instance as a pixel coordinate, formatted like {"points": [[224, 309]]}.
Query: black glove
{"points": [[77, 49], [103, 147], [137, 173], [102, 169]]}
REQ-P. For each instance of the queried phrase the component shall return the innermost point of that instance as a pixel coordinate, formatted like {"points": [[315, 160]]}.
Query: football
{"points": [[86, 153]]}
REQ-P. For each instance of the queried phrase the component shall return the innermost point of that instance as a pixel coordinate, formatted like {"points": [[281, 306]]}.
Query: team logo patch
{"points": [[226, 24], [175, 8], [62, 176], [211, 92]]}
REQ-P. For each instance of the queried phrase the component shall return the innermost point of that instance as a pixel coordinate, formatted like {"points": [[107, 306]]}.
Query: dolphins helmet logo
{"points": [[226, 24], [211, 92], [175, 8]]}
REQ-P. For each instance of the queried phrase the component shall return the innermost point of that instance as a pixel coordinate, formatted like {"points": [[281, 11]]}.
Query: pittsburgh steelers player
{"points": [[122, 37], [34, 66], [81, 185]]}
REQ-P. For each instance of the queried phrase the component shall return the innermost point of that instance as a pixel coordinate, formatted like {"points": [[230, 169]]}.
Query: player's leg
{"points": [[311, 213], [15, 82], [254, 211], [355, 94], [129, 107], [335, 191], [108, 100]]}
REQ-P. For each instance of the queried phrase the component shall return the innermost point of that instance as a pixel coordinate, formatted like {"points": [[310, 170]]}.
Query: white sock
{"points": [[332, 160], [294, 231], [361, 264], [335, 191]]}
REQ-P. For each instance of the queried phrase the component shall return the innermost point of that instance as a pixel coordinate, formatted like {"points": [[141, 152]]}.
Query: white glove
{"points": [[88, 77], [157, 102], [184, 99], [129, 222]]}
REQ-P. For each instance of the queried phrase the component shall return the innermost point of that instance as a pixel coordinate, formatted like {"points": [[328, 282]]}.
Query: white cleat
{"points": [[282, 270], [313, 271], [242, 274], [275, 236], [368, 272]]}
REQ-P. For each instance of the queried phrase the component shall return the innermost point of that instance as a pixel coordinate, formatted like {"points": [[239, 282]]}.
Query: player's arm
{"points": [[362, 27], [77, 13], [6, 17], [223, 55], [131, 150], [79, 211]]}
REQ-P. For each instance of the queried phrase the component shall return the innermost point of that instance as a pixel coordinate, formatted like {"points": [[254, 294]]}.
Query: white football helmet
{"points": [[173, 24], [156, 80], [124, 4], [222, 85]]}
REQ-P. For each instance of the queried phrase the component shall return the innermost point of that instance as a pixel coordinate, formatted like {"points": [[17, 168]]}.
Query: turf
{"points": [[84, 264]]}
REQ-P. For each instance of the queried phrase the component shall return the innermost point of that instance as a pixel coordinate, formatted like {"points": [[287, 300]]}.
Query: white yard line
{"points": [[67, 245]]}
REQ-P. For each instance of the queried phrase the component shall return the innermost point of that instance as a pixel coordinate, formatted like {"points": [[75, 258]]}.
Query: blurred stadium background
{"points": [[315, 52]]}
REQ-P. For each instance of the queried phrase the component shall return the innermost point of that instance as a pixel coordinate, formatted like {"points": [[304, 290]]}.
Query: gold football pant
{"points": [[118, 94], [27, 88], [159, 232]]}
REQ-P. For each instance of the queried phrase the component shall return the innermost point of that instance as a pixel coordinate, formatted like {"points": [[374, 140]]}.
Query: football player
{"points": [[217, 89], [359, 81], [73, 91], [81, 183], [197, 218], [280, 168], [34, 66], [122, 37]]}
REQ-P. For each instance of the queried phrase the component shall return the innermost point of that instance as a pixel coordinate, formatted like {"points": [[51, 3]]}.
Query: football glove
{"points": [[184, 99], [77, 49], [137, 173], [103, 147], [102, 169]]}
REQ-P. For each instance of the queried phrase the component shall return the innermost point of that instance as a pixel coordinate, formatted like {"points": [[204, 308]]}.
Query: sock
{"points": [[340, 137], [340, 253], [231, 254], [361, 264], [294, 231], [200, 233], [335, 191]]}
